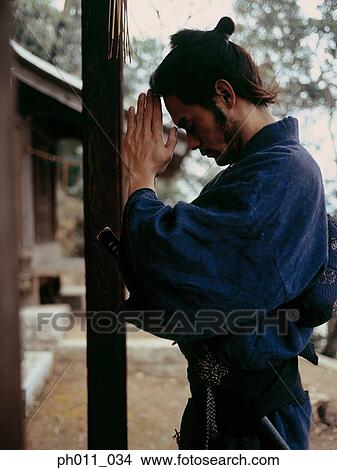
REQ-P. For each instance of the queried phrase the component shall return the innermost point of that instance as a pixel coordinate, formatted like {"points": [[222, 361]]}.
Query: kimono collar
{"points": [[284, 129]]}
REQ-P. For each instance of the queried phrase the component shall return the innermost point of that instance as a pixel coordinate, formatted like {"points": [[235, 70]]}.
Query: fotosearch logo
{"points": [[158, 322]]}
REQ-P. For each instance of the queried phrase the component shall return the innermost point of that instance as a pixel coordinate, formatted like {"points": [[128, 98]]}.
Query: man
{"points": [[213, 274]]}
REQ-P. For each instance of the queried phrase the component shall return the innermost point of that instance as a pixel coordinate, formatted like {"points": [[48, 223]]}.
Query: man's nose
{"points": [[193, 142]]}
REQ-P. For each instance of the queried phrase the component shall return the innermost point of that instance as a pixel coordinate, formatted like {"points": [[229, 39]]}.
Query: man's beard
{"points": [[229, 130]]}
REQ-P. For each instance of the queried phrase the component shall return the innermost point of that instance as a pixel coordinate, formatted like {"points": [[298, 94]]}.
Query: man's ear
{"points": [[224, 94]]}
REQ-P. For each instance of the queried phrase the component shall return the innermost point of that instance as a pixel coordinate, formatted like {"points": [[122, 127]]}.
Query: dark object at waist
{"points": [[251, 394]]}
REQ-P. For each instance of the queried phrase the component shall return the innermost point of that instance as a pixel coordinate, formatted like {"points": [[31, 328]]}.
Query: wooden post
{"points": [[102, 104], [11, 412]]}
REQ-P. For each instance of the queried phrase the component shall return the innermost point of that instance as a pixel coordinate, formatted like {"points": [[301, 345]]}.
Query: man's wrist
{"points": [[141, 182]]}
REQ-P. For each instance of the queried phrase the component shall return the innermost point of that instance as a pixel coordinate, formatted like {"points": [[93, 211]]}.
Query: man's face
{"points": [[208, 130]]}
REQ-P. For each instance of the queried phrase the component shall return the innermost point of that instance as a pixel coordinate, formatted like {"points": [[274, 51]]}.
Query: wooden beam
{"points": [[102, 104], [11, 435], [61, 92]]}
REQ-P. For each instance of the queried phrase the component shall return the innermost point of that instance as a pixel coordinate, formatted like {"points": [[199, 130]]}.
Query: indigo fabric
{"points": [[253, 240]]}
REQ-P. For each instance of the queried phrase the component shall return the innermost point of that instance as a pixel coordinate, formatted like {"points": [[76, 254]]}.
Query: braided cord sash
{"points": [[211, 374]]}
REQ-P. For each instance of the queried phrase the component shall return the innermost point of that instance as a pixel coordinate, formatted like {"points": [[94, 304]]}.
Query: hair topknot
{"points": [[225, 26], [199, 58], [190, 37]]}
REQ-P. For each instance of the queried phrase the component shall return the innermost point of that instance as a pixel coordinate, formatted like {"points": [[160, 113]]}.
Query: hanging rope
{"points": [[52, 158], [118, 30]]}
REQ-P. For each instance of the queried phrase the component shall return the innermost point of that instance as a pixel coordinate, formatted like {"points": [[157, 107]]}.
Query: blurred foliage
{"points": [[52, 35], [295, 53]]}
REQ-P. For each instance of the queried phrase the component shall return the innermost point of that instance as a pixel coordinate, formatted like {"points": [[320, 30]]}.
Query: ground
{"points": [[157, 393]]}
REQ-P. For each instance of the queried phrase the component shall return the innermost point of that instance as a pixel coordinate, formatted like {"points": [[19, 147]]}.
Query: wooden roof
{"points": [[46, 78]]}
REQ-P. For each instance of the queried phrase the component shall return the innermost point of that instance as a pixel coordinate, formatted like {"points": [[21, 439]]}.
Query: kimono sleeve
{"points": [[198, 262], [245, 246]]}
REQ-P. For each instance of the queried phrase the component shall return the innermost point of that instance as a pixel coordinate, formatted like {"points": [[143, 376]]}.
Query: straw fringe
{"points": [[118, 30]]}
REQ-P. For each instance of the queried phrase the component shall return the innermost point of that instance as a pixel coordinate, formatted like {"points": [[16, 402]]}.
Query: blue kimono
{"points": [[220, 267]]}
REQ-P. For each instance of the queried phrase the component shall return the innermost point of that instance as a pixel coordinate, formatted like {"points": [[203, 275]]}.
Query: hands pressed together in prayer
{"points": [[144, 151]]}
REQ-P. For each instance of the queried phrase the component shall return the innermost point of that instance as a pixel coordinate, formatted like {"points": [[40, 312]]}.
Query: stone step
{"points": [[36, 368]]}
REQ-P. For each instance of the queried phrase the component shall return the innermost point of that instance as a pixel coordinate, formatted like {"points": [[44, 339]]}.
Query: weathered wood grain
{"points": [[106, 353]]}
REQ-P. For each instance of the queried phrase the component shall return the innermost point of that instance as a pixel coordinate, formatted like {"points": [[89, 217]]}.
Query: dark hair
{"points": [[199, 58]]}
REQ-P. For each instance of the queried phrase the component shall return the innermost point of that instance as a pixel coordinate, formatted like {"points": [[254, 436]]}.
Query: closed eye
{"points": [[191, 129], [188, 126]]}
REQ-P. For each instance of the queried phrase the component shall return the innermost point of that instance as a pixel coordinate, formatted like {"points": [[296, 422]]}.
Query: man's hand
{"points": [[143, 150]]}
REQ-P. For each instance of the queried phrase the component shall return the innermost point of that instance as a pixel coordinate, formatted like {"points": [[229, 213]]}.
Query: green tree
{"points": [[48, 33], [34, 26], [286, 45], [325, 29]]}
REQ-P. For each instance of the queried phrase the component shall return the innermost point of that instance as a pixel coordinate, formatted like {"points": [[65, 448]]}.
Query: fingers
{"points": [[140, 113], [131, 123], [148, 115], [172, 140], [157, 120]]}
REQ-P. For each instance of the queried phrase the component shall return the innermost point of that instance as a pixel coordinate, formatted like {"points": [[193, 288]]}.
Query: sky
{"points": [[174, 14], [160, 18]]}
